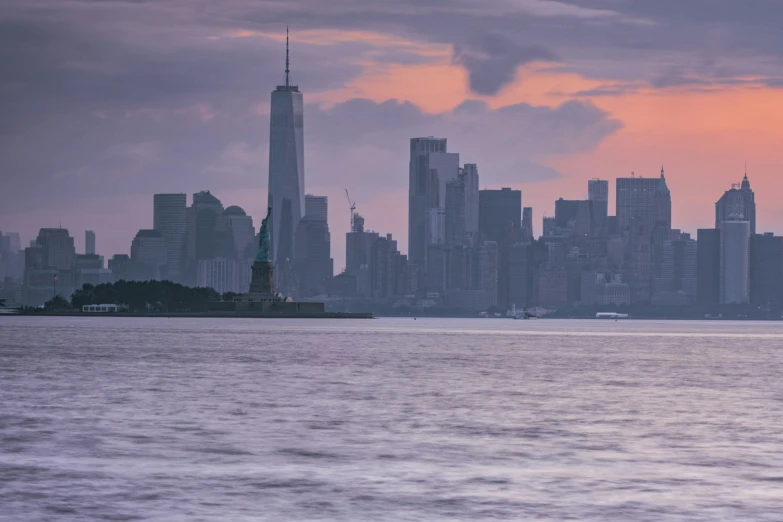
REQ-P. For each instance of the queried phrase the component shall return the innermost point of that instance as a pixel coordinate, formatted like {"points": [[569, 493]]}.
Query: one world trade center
{"points": [[286, 166]]}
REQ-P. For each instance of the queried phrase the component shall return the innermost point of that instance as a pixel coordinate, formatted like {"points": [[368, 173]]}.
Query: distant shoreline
{"points": [[368, 315], [202, 315]]}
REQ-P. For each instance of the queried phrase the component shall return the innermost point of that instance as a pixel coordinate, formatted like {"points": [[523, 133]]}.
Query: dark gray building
{"points": [[565, 212], [500, 221], [598, 194], [89, 242], [170, 219], [455, 213], [766, 270], [708, 266], [527, 224], [313, 263]]}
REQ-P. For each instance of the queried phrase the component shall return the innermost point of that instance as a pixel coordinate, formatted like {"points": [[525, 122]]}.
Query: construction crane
{"points": [[352, 205]]}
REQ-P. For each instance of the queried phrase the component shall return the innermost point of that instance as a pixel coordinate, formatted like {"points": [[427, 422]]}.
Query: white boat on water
{"points": [[611, 315]]}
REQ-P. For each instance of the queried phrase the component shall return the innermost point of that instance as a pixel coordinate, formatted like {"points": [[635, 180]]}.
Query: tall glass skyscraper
{"points": [[170, 219], [286, 165]]}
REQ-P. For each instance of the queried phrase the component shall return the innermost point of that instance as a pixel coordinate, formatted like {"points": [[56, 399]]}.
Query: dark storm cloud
{"points": [[492, 60]]}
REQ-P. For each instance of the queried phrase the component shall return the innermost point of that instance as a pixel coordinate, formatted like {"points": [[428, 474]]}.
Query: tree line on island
{"points": [[141, 296]]}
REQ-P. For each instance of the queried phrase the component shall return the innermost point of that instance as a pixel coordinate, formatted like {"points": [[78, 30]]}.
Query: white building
{"points": [[224, 275], [734, 262], [286, 165]]}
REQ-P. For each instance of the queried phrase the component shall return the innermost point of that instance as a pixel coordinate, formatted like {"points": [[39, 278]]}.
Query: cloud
{"points": [[239, 160], [510, 144], [492, 60], [117, 161]]}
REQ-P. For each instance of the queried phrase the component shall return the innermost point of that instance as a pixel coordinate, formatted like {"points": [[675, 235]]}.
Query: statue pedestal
{"points": [[263, 280]]}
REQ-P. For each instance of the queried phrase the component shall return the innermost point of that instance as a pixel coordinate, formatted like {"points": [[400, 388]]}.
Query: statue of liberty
{"points": [[263, 278], [264, 240]]}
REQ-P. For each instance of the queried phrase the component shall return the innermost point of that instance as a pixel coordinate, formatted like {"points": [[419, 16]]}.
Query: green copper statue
{"points": [[264, 240]]}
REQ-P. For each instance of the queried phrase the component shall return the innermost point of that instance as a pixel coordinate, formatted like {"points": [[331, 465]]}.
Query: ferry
{"points": [[611, 315]]}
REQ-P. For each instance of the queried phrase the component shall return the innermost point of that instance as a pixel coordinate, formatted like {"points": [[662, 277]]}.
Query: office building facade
{"points": [[766, 271], [734, 262], [170, 219], [89, 242]]}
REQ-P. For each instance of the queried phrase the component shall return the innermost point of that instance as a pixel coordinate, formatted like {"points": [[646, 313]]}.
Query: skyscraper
{"points": [[662, 222], [766, 270], [662, 205], [527, 224], [286, 165], [598, 193], [678, 268], [739, 202], [708, 266], [317, 207], [423, 192], [312, 262], [500, 220], [58, 248], [499, 211], [49, 263], [470, 178], [635, 199], [149, 256], [203, 223], [243, 234], [455, 213], [734, 262], [89, 242], [170, 219]]}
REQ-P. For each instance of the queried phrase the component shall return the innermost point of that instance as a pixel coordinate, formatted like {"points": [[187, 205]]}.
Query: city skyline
{"points": [[335, 216], [534, 111]]}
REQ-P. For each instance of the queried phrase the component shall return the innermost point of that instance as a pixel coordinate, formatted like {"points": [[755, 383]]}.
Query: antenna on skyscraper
{"points": [[287, 68]]}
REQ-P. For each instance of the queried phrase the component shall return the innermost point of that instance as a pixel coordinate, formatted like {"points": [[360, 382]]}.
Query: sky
{"points": [[106, 102]]}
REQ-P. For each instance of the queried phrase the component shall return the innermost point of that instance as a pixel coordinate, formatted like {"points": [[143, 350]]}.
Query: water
{"points": [[391, 419]]}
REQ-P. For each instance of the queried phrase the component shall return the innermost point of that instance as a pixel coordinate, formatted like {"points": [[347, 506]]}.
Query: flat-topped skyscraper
{"points": [[286, 165]]}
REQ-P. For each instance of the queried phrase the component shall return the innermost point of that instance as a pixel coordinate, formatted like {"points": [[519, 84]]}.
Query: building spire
{"points": [[662, 171], [287, 68]]}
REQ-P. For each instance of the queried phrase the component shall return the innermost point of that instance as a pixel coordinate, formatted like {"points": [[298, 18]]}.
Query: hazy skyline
{"points": [[106, 103]]}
